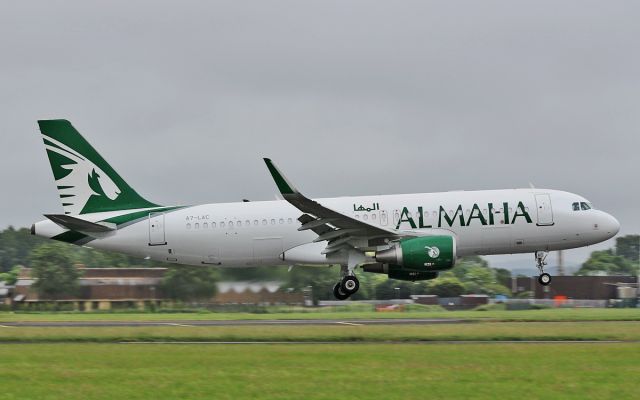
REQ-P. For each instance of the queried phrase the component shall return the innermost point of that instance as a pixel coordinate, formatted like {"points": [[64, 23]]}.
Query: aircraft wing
{"points": [[337, 228]]}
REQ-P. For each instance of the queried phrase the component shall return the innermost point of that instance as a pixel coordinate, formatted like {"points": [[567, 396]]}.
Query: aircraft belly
{"points": [[496, 239]]}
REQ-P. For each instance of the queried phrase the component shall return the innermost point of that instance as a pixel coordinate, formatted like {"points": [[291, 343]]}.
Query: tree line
{"points": [[53, 268]]}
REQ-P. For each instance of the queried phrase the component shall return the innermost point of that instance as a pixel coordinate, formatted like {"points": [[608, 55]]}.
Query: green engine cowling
{"points": [[422, 254]]}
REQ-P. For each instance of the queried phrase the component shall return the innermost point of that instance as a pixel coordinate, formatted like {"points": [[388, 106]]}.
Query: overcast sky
{"points": [[349, 97]]}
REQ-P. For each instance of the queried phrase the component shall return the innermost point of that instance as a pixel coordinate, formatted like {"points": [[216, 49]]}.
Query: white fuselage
{"points": [[265, 233]]}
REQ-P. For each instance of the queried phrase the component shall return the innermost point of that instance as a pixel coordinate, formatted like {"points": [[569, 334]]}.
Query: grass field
{"points": [[351, 371], [486, 331], [552, 314], [355, 362]]}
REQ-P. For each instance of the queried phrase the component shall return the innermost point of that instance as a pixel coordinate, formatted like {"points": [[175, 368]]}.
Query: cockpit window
{"points": [[585, 206], [576, 206]]}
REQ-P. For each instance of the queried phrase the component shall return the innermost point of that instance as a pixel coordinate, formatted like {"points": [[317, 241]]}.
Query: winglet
{"points": [[283, 183]]}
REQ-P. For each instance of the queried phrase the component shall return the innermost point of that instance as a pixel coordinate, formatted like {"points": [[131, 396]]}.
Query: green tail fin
{"points": [[86, 182]]}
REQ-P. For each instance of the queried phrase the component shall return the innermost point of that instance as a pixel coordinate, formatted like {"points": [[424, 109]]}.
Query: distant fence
{"points": [[454, 303], [373, 303], [515, 304]]}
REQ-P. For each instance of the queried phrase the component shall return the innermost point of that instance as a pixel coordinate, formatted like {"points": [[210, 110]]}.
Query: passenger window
{"points": [[576, 206], [373, 216], [230, 224], [585, 206], [239, 223], [188, 225], [281, 221], [213, 225], [255, 222], [264, 222], [247, 222], [273, 221], [197, 225], [365, 217], [289, 221], [205, 226], [221, 224]]}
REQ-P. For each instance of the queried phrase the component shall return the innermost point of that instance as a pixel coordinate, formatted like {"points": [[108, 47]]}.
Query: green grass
{"points": [[365, 371], [485, 331], [553, 314]]}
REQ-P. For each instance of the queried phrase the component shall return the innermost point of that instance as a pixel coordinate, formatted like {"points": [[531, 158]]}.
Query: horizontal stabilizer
{"points": [[80, 225]]}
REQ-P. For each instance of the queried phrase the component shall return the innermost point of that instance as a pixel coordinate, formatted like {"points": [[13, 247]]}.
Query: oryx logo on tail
{"points": [[86, 182], [78, 178]]}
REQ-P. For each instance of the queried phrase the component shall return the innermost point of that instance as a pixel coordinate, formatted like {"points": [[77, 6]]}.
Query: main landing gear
{"points": [[544, 279], [349, 284], [346, 287]]}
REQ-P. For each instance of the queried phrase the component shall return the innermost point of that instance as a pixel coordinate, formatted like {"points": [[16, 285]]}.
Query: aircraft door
{"points": [[545, 212], [156, 229], [384, 220], [396, 217]]}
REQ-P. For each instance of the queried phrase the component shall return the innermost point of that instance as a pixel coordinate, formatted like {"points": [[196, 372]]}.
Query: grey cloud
{"points": [[355, 97]]}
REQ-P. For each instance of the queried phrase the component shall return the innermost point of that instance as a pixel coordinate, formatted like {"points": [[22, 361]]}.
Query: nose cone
{"points": [[610, 226]]}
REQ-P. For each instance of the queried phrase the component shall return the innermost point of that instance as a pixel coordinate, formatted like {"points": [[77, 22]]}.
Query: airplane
{"points": [[405, 236]]}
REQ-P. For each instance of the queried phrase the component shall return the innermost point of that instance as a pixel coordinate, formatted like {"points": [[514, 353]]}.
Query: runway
{"points": [[193, 323]]}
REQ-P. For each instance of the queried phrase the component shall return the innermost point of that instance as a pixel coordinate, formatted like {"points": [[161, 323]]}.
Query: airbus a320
{"points": [[405, 236]]}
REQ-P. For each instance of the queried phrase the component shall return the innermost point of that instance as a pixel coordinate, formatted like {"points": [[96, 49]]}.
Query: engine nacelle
{"points": [[400, 273], [422, 254]]}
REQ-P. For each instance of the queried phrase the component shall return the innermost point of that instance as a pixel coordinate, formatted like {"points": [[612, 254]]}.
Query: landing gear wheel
{"points": [[350, 284], [544, 279], [338, 293]]}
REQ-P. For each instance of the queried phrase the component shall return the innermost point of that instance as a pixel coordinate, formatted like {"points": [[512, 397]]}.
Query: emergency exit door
{"points": [[545, 212], [156, 229]]}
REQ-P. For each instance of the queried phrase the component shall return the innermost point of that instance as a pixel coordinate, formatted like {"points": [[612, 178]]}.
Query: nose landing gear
{"points": [[544, 279]]}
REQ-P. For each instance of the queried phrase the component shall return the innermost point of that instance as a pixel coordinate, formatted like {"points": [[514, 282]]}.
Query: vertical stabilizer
{"points": [[86, 182]]}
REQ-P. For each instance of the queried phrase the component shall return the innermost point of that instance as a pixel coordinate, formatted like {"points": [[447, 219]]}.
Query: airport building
{"points": [[579, 287], [126, 288], [100, 289], [113, 288]]}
